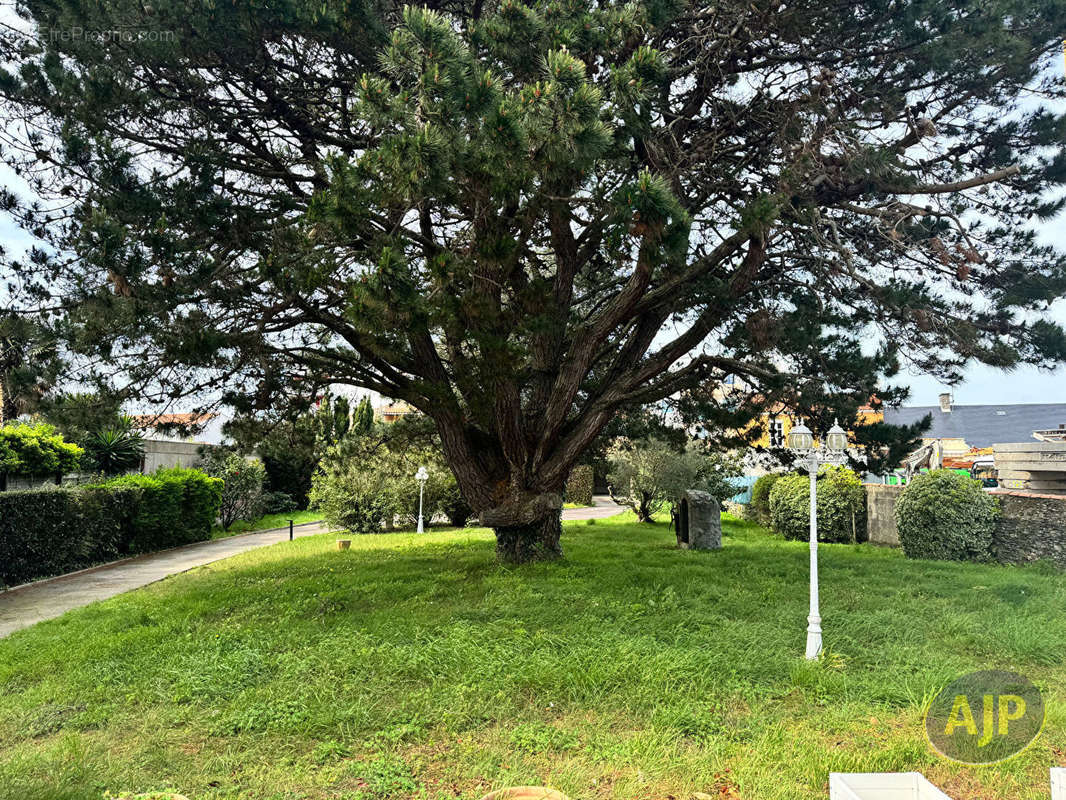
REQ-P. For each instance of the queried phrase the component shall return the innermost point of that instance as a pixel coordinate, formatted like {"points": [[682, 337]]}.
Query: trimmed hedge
{"points": [[946, 515], [579, 485], [39, 534], [168, 508], [51, 531], [841, 506]]}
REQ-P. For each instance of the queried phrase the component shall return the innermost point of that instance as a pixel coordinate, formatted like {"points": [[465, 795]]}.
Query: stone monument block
{"points": [[698, 522]]}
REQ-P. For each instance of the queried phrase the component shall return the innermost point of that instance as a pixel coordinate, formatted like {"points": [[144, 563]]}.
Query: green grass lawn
{"points": [[266, 522], [415, 666]]}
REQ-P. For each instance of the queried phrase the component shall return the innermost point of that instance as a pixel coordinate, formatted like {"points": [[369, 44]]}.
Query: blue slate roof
{"points": [[983, 426]]}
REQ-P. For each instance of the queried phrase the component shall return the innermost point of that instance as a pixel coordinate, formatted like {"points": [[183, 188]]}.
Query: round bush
{"points": [[759, 507], [841, 506], [354, 496], [945, 515], [242, 492], [579, 485]]}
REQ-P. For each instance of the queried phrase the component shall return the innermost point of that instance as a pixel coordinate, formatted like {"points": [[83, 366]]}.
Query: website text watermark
{"points": [[109, 35]]}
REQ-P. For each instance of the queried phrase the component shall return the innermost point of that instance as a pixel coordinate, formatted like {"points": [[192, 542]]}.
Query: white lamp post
{"points": [[421, 476], [801, 440]]}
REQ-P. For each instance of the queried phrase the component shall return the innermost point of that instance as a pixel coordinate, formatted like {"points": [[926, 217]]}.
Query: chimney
{"points": [[945, 403]]}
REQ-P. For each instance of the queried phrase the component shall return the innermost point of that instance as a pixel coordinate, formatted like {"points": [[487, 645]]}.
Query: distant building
{"points": [[393, 411], [192, 427], [958, 429], [775, 423]]}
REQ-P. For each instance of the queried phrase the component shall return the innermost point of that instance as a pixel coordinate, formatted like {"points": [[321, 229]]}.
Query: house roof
{"points": [[983, 426], [160, 420]]}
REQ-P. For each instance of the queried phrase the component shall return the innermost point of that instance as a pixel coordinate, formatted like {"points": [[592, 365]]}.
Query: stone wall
{"points": [[881, 514], [169, 454], [22, 484], [1031, 526], [156, 454]]}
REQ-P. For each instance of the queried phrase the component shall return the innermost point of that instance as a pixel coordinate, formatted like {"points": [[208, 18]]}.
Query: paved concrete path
{"points": [[602, 506], [34, 602]]}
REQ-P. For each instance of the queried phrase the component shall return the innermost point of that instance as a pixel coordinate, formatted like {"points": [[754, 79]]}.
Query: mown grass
{"points": [[266, 522], [415, 666]]}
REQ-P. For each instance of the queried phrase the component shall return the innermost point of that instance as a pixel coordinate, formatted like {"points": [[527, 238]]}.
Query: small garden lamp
{"points": [[421, 476], [801, 441]]}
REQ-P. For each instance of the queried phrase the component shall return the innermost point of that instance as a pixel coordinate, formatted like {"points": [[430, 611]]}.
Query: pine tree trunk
{"points": [[538, 541]]}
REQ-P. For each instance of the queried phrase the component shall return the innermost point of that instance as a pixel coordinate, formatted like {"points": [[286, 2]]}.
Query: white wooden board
{"points": [[882, 786]]}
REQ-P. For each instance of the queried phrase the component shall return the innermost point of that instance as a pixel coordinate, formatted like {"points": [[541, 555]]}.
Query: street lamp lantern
{"points": [[421, 476], [836, 440], [801, 440]]}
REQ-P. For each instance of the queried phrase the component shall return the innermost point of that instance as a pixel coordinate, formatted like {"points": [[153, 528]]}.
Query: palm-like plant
{"points": [[115, 449]]}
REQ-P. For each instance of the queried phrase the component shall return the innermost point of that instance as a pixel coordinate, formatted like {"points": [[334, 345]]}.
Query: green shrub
{"points": [[33, 451], [355, 496], [201, 499], [242, 490], [946, 515], [368, 484], [52, 531], [579, 485], [40, 534], [104, 519], [759, 507], [841, 506], [278, 502], [169, 508], [155, 512]]}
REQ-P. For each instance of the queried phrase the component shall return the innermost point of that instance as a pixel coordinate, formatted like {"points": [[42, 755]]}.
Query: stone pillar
{"points": [[881, 514], [698, 523]]}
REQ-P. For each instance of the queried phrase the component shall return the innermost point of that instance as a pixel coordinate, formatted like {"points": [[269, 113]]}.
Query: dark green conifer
{"points": [[521, 218]]}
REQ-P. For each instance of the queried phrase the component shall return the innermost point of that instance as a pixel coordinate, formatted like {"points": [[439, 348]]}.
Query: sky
{"points": [[981, 384]]}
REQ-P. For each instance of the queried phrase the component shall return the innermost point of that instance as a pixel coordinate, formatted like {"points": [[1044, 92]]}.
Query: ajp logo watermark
{"points": [[985, 717]]}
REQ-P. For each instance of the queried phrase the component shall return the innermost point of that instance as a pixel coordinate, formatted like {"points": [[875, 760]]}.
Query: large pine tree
{"points": [[523, 217]]}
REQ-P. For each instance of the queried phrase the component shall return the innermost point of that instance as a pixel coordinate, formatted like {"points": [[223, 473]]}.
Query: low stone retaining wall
{"points": [[1031, 526]]}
